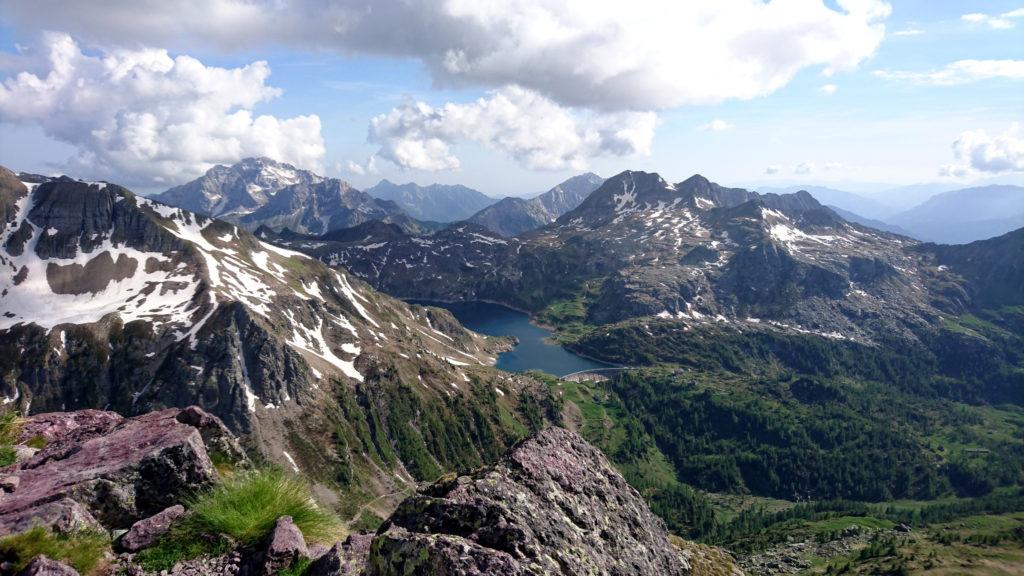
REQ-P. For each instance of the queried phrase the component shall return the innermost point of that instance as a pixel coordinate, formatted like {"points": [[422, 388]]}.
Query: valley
{"points": [[793, 377]]}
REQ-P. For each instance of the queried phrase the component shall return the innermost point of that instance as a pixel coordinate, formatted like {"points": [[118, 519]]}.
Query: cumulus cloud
{"points": [[143, 117], [978, 152], [715, 126], [654, 55], [773, 169], [1002, 21], [519, 122], [908, 32], [804, 168], [828, 89], [960, 72]]}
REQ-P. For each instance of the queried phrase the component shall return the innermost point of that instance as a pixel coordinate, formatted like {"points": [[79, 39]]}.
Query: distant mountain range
{"points": [[436, 202], [512, 216], [262, 192], [962, 216], [930, 212]]}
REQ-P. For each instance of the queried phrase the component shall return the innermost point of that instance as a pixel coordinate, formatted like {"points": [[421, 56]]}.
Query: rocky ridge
{"points": [[693, 252], [552, 505]]}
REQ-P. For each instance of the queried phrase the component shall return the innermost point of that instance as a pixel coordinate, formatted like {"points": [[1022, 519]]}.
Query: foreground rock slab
{"points": [[552, 505], [101, 470]]}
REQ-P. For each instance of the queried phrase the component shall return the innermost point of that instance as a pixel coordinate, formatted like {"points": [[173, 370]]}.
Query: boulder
{"points": [[99, 466], [43, 566], [285, 546], [145, 533], [552, 505]]}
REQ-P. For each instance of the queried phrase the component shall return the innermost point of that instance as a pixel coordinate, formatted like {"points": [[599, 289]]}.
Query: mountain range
{"points": [[436, 202], [512, 216], [765, 346], [962, 216], [109, 299], [692, 250], [262, 192], [934, 213]]}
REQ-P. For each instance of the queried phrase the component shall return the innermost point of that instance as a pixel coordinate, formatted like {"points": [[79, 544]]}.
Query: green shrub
{"points": [[246, 505], [82, 550]]}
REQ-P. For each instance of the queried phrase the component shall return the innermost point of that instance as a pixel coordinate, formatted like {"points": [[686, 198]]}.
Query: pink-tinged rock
{"points": [[74, 426], [343, 559], [43, 566], [286, 545], [63, 516], [119, 470], [145, 533]]}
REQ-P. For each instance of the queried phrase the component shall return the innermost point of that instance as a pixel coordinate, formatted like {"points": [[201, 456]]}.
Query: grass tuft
{"points": [[82, 550], [241, 509], [10, 430], [246, 505]]}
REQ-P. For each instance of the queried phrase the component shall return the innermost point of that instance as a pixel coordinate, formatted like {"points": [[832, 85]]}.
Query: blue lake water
{"points": [[532, 352]]}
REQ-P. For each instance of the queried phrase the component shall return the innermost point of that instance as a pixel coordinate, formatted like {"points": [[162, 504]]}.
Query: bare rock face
{"points": [[553, 505], [99, 469], [43, 566], [145, 533]]}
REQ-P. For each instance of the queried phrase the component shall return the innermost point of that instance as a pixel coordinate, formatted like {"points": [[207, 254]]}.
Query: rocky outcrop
{"points": [[347, 558], [552, 505], [100, 470]]}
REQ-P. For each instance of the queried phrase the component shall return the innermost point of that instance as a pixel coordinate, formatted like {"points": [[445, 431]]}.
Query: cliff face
{"points": [[552, 505]]}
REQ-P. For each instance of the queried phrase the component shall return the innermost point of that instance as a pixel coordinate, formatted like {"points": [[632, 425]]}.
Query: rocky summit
{"points": [[552, 505], [258, 192]]}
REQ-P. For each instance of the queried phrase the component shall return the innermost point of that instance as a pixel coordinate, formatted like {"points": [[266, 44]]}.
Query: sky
{"points": [[512, 96]]}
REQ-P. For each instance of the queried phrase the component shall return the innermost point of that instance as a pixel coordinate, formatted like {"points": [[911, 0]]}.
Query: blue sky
{"points": [[853, 129]]}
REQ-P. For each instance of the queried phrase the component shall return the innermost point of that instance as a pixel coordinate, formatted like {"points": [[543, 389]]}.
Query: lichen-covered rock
{"points": [[552, 505], [347, 558], [43, 566], [98, 467], [145, 533]]}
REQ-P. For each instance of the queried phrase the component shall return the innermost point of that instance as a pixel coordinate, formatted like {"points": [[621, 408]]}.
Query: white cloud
{"points": [[828, 89], [652, 55], [977, 152], [530, 128], [1002, 21], [143, 117], [908, 32], [830, 166], [960, 72], [773, 169], [804, 168], [715, 126]]}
